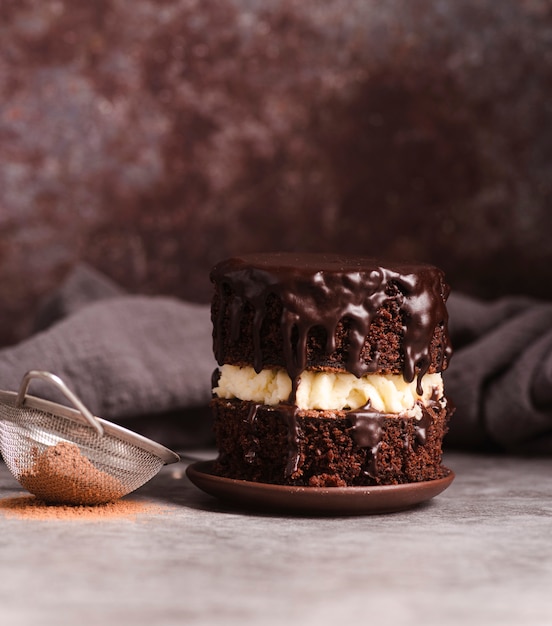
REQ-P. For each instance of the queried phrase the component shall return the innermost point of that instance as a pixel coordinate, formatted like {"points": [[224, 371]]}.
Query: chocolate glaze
{"points": [[253, 441], [421, 428], [366, 430], [288, 412], [321, 290]]}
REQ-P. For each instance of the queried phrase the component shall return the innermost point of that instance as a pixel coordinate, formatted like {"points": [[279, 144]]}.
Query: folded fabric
{"points": [[132, 359], [500, 377], [125, 356]]}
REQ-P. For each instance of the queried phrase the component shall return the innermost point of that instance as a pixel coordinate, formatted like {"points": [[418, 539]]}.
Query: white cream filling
{"points": [[328, 390]]}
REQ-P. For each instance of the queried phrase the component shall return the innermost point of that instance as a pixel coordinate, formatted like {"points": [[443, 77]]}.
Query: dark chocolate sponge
{"points": [[326, 448]]}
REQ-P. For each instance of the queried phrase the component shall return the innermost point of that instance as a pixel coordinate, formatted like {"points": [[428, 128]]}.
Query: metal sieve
{"points": [[67, 456]]}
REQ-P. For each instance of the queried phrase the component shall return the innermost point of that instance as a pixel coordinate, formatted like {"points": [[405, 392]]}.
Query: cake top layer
{"points": [[309, 263], [322, 289]]}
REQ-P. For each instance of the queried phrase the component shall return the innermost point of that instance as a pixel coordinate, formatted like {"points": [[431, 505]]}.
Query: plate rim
{"points": [[315, 500]]}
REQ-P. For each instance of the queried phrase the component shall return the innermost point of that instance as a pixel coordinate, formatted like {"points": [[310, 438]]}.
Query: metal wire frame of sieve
{"points": [[29, 426]]}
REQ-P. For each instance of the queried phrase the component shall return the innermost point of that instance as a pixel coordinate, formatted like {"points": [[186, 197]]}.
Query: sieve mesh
{"points": [[63, 460]]}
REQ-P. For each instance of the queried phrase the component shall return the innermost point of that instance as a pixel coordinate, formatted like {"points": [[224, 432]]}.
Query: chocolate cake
{"points": [[329, 370]]}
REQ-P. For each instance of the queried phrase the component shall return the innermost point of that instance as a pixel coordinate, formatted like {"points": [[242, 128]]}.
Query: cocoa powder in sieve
{"points": [[61, 474]]}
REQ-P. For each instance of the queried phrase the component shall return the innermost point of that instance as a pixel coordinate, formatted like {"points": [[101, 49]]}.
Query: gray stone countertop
{"points": [[479, 553]]}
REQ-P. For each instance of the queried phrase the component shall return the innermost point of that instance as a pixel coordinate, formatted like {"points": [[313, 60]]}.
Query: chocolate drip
{"points": [[324, 290], [288, 412], [367, 430], [423, 424], [251, 453], [421, 427]]}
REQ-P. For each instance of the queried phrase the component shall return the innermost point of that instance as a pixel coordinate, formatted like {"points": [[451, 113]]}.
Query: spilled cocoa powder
{"points": [[63, 475], [32, 508]]}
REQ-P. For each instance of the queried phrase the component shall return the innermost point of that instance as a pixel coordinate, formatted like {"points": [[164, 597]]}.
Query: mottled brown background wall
{"points": [[151, 138]]}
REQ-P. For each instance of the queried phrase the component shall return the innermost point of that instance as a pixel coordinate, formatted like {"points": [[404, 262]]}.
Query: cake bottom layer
{"points": [[283, 445]]}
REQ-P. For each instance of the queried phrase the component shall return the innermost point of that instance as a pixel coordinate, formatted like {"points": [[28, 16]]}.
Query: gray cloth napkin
{"points": [[125, 356], [500, 377], [147, 362]]}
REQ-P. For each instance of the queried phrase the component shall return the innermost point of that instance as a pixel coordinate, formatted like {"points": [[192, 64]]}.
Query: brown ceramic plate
{"points": [[315, 500]]}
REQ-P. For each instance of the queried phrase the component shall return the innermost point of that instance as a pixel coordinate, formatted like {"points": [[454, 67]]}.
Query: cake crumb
{"points": [[327, 480]]}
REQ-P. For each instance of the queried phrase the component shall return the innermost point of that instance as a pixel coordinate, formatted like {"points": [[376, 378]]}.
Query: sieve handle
{"points": [[56, 380]]}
